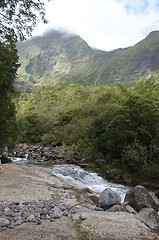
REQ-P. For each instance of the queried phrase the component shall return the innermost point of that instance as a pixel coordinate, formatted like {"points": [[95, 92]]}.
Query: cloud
{"points": [[104, 24]]}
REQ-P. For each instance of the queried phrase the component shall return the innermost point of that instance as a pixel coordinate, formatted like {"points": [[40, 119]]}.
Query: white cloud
{"points": [[104, 24]]}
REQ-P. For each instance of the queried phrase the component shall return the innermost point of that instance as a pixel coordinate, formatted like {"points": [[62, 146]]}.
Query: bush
{"points": [[134, 156]]}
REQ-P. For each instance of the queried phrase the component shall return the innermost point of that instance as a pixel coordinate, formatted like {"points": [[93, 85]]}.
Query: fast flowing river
{"points": [[76, 176]]}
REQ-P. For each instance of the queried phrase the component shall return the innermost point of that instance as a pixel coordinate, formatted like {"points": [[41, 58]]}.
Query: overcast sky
{"points": [[103, 24]]}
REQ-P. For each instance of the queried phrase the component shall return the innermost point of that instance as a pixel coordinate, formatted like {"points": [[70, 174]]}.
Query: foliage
{"points": [[17, 20], [8, 68], [117, 124]]}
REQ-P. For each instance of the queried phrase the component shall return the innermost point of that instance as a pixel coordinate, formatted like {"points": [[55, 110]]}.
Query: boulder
{"points": [[139, 197], [116, 226], [150, 217], [122, 208], [108, 198], [5, 159]]}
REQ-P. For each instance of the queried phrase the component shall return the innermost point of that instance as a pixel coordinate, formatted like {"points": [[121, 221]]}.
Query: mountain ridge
{"points": [[58, 56]]}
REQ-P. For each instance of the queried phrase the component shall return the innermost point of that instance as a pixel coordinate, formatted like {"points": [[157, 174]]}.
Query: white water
{"points": [[75, 176], [20, 160]]}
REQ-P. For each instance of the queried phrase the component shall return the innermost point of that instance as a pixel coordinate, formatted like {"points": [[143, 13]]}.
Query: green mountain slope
{"points": [[58, 56]]}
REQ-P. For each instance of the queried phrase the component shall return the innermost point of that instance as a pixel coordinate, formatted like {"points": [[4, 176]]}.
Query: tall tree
{"points": [[18, 18]]}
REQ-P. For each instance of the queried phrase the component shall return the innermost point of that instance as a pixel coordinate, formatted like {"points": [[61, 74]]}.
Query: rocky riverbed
{"points": [[36, 205]]}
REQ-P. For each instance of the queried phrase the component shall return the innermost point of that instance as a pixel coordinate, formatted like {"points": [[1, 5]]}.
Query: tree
{"points": [[8, 68], [17, 20]]}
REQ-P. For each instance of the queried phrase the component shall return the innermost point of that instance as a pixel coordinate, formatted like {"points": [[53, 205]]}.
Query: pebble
{"points": [[14, 213], [83, 216], [4, 222]]}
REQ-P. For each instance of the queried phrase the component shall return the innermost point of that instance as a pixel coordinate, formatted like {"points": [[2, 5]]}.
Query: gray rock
{"points": [[83, 216], [4, 222], [44, 211], [18, 222], [139, 197], [94, 198], [98, 209], [31, 218], [116, 208], [56, 213], [129, 209], [108, 198], [117, 226], [122, 208], [37, 215], [150, 217]]}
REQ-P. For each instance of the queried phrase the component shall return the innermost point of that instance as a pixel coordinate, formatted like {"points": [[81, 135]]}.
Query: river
{"points": [[76, 176]]}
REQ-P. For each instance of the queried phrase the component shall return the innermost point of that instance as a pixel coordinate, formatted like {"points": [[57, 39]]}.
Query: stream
{"points": [[76, 176]]}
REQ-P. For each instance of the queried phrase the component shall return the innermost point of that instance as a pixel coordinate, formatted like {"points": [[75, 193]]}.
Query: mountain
{"points": [[59, 56]]}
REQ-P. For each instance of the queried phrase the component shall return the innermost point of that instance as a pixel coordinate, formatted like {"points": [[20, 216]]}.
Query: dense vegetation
{"points": [[116, 124]]}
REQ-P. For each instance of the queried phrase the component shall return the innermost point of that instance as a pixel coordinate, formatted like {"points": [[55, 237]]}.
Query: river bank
{"points": [[26, 186], [52, 153]]}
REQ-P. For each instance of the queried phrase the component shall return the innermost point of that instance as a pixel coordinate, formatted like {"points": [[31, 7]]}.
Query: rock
{"points": [[150, 217], [56, 213], [83, 216], [129, 209], [115, 208], [44, 211], [94, 198], [108, 198], [127, 178], [139, 197], [100, 163], [157, 194], [4, 222], [31, 218], [98, 209], [5, 159], [117, 226], [18, 222]]}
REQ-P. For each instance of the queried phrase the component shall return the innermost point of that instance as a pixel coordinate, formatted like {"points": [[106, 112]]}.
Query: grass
{"points": [[84, 235]]}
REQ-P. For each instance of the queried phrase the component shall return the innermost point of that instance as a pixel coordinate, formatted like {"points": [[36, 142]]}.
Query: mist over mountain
{"points": [[59, 56]]}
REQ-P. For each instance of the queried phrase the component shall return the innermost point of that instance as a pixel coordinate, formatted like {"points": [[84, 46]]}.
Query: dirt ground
{"points": [[62, 229], [23, 183], [19, 183]]}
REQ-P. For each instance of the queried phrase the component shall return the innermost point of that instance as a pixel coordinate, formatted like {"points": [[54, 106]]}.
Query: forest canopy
{"points": [[117, 124]]}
